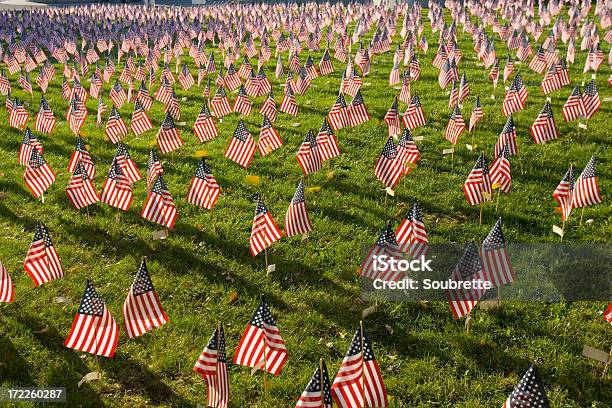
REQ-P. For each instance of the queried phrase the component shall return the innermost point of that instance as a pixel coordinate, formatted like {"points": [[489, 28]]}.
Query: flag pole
{"points": [[481, 207], [321, 382], [562, 230], [581, 215], [361, 340], [217, 365], [265, 371], [497, 202], [266, 258]]}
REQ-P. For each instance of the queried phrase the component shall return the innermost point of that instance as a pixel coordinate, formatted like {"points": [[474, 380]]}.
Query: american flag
{"points": [[142, 309], [164, 92], [185, 78], [168, 137], [327, 143], [7, 291], [544, 128], [261, 344], [500, 171], [42, 262], [388, 170], [242, 146], [45, 121], [385, 245], [414, 116], [455, 126], [359, 382], [297, 221], [159, 207], [574, 107], [269, 140], [127, 164], [38, 175], [404, 95], [309, 156], [407, 152], [551, 81], [66, 91], [411, 233], [117, 190], [172, 107], [508, 68], [28, 143], [82, 156], [212, 365], [219, 104], [242, 104], [564, 194], [94, 329], [507, 137], [495, 259], [392, 120], [476, 116], [529, 392], [591, 100], [118, 95], [116, 129], [464, 88], [80, 190], [268, 107], [140, 120], [24, 82], [264, 231], [101, 110], [325, 65], [586, 188], [232, 80], [608, 313], [414, 69], [204, 126], [144, 97], [318, 391], [338, 113], [453, 98], [477, 187], [5, 85], [288, 104], [462, 300], [494, 74], [18, 115], [357, 111], [538, 62], [154, 168], [204, 189]]}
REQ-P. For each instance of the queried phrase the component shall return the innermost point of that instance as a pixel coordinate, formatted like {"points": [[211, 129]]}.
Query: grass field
{"points": [[204, 272]]}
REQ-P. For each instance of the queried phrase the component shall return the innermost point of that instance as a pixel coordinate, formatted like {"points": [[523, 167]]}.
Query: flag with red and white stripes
{"points": [[477, 187], [241, 147], [586, 188], [204, 126], [159, 207], [544, 128], [411, 233], [496, 263], [28, 143], [212, 365], [80, 190], [359, 382], [117, 191], [388, 170], [591, 100], [318, 391], [269, 140], [476, 116], [42, 262], [529, 392], [140, 120], [168, 137], [309, 156], [219, 104], [142, 309], [38, 175], [116, 129], [297, 221], [455, 126], [127, 164], [7, 291], [261, 344], [564, 194], [94, 329], [392, 119], [414, 116], [264, 231], [357, 111], [463, 299], [45, 121], [204, 189], [574, 107], [500, 171], [81, 154], [385, 245]]}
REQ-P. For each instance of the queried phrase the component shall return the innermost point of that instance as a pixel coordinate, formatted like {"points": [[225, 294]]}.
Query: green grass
{"points": [[427, 360]]}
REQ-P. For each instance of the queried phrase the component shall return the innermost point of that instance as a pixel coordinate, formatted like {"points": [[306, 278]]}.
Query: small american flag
{"points": [[185, 78], [411, 233], [495, 259], [94, 329], [586, 188], [269, 140], [507, 137], [116, 129], [288, 104], [477, 114], [168, 137], [591, 100], [574, 107], [462, 300], [28, 143], [38, 175], [242, 104], [414, 116], [387, 169], [42, 262], [261, 344], [45, 121], [81, 154], [7, 291], [386, 245], [309, 156], [328, 145], [407, 152], [318, 391], [142, 309], [500, 171], [359, 382], [268, 108], [297, 221], [477, 186], [204, 189], [264, 231], [544, 128], [212, 365], [338, 114], [242, 146], [127, 164], [118, 95], [455, 126], [159, 207], [18, 115], [140, 120], [529, 392], [117, 191], [564, 194], [80, 190], [392, 120], [219, 104], [204, 126], [357, 111]]}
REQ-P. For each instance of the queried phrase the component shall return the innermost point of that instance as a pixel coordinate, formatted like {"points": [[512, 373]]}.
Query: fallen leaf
{"points": [[89, 377], [389, 329], [233, 296], [368, 311], [43, 330], [253, 180]]}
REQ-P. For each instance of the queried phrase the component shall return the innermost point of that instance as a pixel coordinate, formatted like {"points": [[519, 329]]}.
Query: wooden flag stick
{"points": [[361, 340], [562, 230], [581, 215], [605, 369], [265, 371], [481, 207], [217, 379], [497, 201], [322, 384], [498, 296], [266, 258]]}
